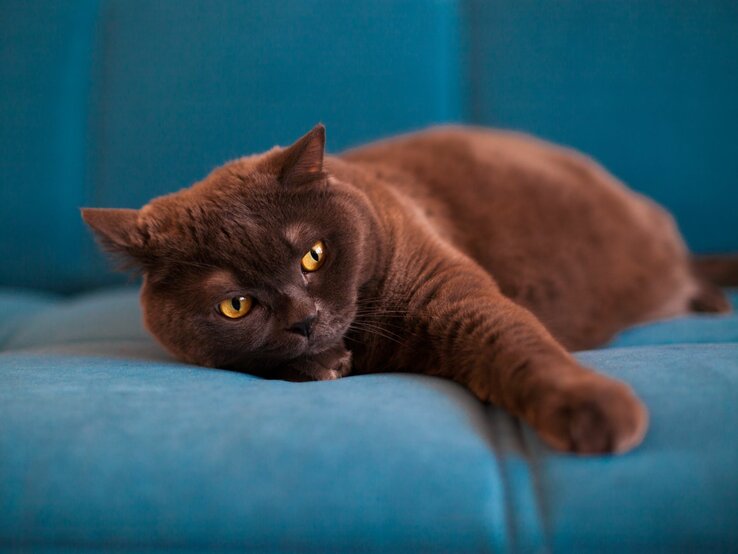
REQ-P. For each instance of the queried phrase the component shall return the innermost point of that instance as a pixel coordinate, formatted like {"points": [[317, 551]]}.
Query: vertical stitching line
{"points": [[536, 481]]}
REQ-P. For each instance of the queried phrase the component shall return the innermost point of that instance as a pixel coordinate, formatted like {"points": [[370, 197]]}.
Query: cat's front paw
{"points": [[326, 366], [592, 415]]}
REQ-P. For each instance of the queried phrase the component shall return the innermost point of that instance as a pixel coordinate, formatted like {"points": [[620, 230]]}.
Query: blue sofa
{"points": [[107, 443]]}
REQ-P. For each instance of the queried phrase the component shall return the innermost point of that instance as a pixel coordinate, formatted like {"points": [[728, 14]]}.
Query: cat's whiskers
{"points": [[381, 313], [376, 330]]}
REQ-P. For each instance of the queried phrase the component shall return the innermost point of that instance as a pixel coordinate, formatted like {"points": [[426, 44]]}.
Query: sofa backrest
{"points": [[648, 87], [111, 102]]}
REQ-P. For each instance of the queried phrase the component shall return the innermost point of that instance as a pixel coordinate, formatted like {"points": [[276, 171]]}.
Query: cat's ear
{"points": [[116, 229], [303, 161]]}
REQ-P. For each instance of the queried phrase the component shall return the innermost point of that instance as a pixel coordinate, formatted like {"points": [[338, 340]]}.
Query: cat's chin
{"points": [[300, 347], [300, 375], [328, 365]]}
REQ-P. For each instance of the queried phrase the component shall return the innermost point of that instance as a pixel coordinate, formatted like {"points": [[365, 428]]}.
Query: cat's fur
{"points": [[474, 255]]}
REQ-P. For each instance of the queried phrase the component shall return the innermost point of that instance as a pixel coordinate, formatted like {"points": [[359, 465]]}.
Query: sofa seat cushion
{"points": [[697, 328], [102, 448], [107, 442]]}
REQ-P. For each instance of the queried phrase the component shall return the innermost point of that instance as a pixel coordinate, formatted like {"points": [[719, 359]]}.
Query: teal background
{"points": [[109, 103]]}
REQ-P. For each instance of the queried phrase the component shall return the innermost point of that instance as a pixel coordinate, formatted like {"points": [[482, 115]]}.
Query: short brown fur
{"points": [[469, 254]]}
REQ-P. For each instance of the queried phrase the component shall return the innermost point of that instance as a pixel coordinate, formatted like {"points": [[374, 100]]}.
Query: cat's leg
{"points": [[464, 329]]}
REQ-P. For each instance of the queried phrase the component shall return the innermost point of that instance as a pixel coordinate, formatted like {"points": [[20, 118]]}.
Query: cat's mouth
{"points": [[327, 336], [327, 333], [319, 342], [322, 338]]}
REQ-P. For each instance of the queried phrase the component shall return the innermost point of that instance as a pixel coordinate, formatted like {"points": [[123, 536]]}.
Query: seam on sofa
{"points": [[531, 448], [525, 525], [502, 461], [76, 94]]}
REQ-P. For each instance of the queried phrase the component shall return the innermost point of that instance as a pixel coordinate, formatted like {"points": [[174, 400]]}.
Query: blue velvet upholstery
{"points": [[109, 103], [106, 443]]}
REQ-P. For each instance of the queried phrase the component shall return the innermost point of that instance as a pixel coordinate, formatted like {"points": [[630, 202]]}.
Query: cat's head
{"points": [[259, 263]]}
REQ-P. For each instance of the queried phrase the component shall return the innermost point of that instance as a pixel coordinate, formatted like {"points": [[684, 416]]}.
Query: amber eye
{"points": [[314, 257], [236, 307]]}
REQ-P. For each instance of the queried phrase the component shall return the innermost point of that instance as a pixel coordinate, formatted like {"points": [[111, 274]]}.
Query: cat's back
{"points": [[470, 167], [454, 148], [552, 226], [480, 181]]}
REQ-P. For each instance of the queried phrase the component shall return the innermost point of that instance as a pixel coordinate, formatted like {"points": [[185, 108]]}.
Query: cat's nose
{"points": [[304, 327]]}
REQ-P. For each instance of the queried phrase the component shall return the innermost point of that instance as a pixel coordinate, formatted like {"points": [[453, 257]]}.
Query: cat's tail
{"points": [[713, 272], [720, 270]]}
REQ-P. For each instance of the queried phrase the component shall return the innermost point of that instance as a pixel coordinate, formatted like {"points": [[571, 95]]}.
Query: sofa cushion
{"points": [[697, 328], [678, 492], [107, 442], [104, 449]]}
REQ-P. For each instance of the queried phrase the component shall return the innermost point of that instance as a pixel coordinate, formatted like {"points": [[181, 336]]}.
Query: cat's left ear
{"points": [[116, 229], [303, 161]]}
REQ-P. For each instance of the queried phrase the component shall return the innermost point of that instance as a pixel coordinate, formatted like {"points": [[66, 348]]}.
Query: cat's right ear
{"points": [[302, 161], [117, 230]]}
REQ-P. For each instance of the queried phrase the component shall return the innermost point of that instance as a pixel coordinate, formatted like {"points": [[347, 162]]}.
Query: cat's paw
{"points": [[326, 366], [592, 415]]}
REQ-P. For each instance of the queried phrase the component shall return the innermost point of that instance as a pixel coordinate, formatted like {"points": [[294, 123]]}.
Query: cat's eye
{"points": [[314, 257], [236, 307]]}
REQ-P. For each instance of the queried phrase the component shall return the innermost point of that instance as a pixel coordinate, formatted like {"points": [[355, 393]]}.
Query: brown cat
{"points": [[474, 255]]}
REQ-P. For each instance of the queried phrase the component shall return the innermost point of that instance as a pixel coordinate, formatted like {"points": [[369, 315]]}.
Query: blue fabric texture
{"points": [[107, 442]]}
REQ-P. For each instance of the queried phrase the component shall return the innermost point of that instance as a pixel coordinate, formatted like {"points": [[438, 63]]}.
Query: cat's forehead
{"points": [[241, 242], [297, 232], [219, 278], [237, 218]]}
